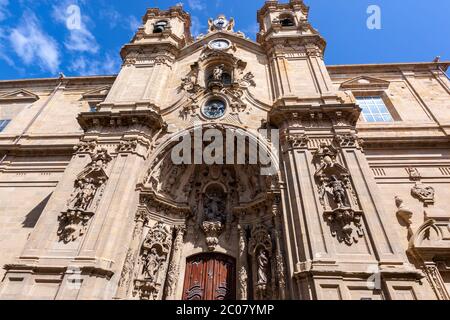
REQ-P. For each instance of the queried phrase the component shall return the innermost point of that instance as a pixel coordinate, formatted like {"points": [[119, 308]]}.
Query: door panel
{"points": [[210, 277]]}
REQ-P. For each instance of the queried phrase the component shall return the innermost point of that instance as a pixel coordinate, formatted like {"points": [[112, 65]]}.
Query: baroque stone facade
{"points": [[93, 206]]}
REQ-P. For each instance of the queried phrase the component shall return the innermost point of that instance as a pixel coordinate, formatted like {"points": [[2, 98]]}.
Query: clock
{"points": [[214, 109], [220, 44]]}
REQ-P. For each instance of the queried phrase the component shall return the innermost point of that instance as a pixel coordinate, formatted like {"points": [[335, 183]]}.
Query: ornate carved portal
{"points": [[210, 277], [229, 212]]}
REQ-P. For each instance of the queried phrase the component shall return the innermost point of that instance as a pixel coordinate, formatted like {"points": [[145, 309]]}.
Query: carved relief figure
{"points": [[83, 194], [218, 72], [260, 249], [338, 190], [153, 262], [214, 207], [339, 200], [83, 202], [263, 268]]}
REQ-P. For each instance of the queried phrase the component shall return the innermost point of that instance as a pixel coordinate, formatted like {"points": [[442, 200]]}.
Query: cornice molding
{"points": [[147, 118]]}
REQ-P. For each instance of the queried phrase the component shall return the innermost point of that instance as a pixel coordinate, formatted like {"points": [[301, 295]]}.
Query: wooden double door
{"points": [[210, 276]]}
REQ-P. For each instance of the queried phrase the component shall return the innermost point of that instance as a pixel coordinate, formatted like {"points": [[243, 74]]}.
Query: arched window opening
{"points": [[287, 20], [160, 26]]}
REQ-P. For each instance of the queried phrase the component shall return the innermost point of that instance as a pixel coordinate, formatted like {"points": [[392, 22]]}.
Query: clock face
{"points": [[214, 109], [220, 44]]}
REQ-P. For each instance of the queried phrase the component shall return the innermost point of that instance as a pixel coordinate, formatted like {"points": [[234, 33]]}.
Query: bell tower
{"points": [[282, 20], [295, 50], [322, 159], [149, 58], [172, 25]]}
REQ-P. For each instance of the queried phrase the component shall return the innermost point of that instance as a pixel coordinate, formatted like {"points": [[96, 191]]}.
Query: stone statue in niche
{"points": [[218, 72], [214, 207], [260, 249], [263, 269], [336, 194], [83, 194], [153, 262], [338, 190], [86, 195], [214, 215]]}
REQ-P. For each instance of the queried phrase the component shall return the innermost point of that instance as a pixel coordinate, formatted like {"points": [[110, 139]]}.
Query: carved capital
{"points": [[297, 140], [85, 147], [127, 146], [347, 140]]}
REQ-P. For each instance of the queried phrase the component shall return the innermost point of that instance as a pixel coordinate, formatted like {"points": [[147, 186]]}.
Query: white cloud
{"points": [[134, 23], [196, 26], [88, 67], [197, 5], [33, 45], [80, 39], [252, 30], [111, 15], [4, 13]]}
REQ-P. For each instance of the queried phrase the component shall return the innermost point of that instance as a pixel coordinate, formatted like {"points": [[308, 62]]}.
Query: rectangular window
{"points": [[92, 107], [374, 109], [3, 124]]}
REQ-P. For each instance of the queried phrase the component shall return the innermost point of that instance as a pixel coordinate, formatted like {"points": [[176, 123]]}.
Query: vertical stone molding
{"points": [[127, 274], [435, 279], [173, 280], [243, 264], [280, 266]]}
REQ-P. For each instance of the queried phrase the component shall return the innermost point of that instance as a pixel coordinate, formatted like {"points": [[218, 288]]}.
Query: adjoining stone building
{"points": [[92, 205]]}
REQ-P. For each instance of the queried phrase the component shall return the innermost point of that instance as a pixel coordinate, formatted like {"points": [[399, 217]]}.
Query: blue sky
{"points": [[35, 41]]}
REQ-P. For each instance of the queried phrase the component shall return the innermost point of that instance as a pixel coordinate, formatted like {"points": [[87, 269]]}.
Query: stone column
{"points": [[242, 268], [172, 279]]}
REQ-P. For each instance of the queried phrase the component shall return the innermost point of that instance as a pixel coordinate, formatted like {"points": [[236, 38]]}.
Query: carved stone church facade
{"points": [[356, 206]]}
